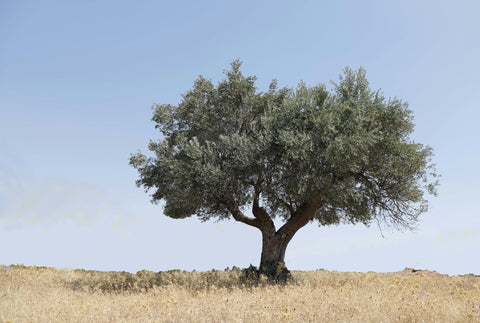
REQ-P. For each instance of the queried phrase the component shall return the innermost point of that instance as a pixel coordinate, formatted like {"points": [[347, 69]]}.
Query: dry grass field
{"points": [[33, 294]]}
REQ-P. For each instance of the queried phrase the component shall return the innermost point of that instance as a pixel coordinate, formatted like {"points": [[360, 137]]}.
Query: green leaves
{"points": [[223, 145]]}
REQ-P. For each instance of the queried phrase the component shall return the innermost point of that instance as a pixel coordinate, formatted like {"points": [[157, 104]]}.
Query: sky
{"points": [[78, 79]]}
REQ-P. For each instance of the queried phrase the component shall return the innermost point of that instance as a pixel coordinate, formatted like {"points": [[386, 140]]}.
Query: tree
{"points": [[303, 155]]}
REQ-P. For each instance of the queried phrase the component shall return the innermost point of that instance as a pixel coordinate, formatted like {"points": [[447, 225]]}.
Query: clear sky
{"points": [[78, 79]]}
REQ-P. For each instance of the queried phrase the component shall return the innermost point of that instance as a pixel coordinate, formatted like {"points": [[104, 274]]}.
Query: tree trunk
{"points": [[274, 243], [272, 262]]}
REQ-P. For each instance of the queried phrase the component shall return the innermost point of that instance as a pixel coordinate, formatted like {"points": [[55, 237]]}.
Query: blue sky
{"points": [[78, 79]]}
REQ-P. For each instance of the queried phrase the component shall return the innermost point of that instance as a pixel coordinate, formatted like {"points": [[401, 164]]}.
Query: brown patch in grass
{"points": [[420, 272]]}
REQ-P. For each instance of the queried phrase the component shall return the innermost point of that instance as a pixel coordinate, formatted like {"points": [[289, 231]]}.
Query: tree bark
{"points": [[273, 253]]}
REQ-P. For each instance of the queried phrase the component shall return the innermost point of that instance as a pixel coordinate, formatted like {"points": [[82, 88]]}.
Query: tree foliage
{"points": [[228, 148]]}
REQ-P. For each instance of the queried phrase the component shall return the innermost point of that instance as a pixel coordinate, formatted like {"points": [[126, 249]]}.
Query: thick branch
{"points": [[239, 216], [301, 217], [266, 223], [258, 212]]}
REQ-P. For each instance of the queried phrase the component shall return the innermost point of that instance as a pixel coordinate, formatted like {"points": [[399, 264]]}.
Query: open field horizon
{"points": [[41, 294], [404, 270]]}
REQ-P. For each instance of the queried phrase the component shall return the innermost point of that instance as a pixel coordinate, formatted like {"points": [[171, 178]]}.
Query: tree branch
{"points": [[301, 216], [258, 212], [265, 221], [239, 216]]}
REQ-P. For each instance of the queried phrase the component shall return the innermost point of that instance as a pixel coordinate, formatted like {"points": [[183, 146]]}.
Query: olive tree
{"points": [[303, 155]]}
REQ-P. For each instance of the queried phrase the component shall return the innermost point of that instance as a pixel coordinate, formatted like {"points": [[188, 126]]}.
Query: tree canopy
{"points": [[304, 154], [227, 147]]}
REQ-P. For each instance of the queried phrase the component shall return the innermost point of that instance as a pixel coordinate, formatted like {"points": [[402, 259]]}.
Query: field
{"points": [[34, 294]]}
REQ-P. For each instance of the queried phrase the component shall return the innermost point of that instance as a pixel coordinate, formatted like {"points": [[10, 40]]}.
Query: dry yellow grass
{"points": [[31, 294]]}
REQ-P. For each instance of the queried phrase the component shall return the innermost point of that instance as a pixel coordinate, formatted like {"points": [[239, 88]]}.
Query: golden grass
{"points": [[32, 294]]}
